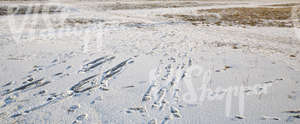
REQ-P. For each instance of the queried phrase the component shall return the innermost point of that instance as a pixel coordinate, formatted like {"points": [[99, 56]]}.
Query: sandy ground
{"points": [[95, 62]]}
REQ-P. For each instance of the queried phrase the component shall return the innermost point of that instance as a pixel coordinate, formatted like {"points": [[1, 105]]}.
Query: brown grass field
{"points": [[260, 16]]}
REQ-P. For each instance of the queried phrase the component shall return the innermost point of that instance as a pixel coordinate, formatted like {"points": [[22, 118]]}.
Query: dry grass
{"points": [[205, 19], [126, 6], [252, 13], [261, 16], [285, 5], [75, 21], [254, 16], [22, 9]]}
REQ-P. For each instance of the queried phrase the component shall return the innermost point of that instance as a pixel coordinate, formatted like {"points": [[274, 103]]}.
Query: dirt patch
{"points": [[261, 16]]}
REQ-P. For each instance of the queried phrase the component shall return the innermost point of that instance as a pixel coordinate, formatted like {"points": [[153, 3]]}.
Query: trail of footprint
{"points": [[98, 79], [167, 77], [32, 85], [95, 63], [77, 88], [56, 99]]}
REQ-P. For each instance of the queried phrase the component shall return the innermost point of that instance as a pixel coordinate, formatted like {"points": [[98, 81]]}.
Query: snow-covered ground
{"points": [[122, 62]]}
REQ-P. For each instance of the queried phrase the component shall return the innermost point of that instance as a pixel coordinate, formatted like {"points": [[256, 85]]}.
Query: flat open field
{"points": [[149, 62]]}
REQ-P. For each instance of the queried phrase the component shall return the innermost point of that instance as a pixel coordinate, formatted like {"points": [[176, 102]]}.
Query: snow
{"points": [[181, 68]]}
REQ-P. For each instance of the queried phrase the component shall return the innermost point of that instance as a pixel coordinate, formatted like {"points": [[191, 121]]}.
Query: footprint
{"points": [[54, 61], [239, 117], [140, 109], [40, 93], [58, 74], [81, 117], [153, 121], [8, 84], [97, 62], [131, 86], [75, 122], [15, 115], [147, 95], [296, 116], [293, 111], [162, 93], [269, 118], [9, 100], [167, 119], [175, 112], [73, 108], [99, 98], [68, 67], [292, 118]]}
